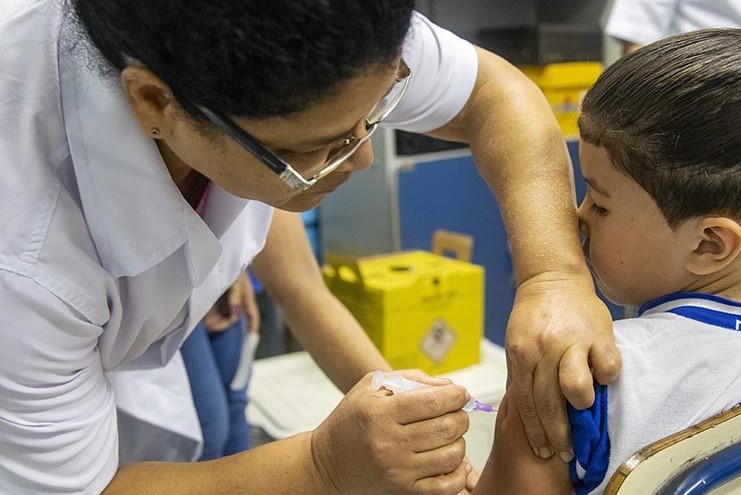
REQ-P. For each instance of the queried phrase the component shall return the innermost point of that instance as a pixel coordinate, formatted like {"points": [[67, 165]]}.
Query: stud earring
{"points": [[155, 131]]}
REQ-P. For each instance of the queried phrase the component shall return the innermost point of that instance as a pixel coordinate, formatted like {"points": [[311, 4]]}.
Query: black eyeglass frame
{"points": [[283, 169]]}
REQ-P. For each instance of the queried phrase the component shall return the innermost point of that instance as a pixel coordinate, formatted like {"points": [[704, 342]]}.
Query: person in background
{"points": [[212, 355], [118, 116], [288, 271], [639, 22], [660, 151]]}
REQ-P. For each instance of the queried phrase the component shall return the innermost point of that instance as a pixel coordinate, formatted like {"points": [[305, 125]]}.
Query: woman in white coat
{"points": [[121, 120]]}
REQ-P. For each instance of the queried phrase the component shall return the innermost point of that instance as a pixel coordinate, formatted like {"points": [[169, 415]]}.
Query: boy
{"points": [[661, 155]]}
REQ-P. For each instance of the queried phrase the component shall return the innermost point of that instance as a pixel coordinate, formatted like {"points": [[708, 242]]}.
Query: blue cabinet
{"points": [[450, 194], [402, 200]]}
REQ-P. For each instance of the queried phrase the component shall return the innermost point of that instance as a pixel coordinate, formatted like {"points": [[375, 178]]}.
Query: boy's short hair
{"points": [[669, 116]]}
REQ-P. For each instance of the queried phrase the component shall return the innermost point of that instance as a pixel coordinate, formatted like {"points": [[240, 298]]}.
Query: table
{"points": [[289, 394]]}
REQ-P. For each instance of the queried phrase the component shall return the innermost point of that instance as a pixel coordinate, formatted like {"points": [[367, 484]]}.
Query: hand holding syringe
{"points": [[397, 384]]}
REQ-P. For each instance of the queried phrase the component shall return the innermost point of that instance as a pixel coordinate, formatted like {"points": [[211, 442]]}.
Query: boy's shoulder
{"points": [[664, 385], [667, 352], [693, 316], [649, 331]]}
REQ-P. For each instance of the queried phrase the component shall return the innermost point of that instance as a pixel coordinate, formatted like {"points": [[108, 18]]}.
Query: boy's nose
{"points": [[583, 227], [581, 216]]}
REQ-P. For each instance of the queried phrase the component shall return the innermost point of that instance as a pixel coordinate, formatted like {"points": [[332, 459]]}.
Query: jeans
{"points": [[211, 360]]}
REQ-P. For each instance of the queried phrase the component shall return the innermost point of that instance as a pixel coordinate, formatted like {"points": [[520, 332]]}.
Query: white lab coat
{"points": [[162, 425], [157, 420], [103, 264]]}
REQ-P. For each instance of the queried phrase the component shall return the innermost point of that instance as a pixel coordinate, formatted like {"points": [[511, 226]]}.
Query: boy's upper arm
{"points": [[512, 467]]}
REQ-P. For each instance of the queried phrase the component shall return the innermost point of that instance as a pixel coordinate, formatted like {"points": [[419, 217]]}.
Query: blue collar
{"points": [[705, 308]]}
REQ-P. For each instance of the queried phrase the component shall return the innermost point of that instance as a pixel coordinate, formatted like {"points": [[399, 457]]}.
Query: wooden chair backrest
{"points": [[655, 468]]}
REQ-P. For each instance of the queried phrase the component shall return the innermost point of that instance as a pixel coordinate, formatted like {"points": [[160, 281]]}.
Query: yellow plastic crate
{"points": [[421, 310], [564, 86]]}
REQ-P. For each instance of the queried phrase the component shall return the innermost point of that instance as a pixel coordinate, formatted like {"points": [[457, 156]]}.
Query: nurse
{"points": [[143, 148]]}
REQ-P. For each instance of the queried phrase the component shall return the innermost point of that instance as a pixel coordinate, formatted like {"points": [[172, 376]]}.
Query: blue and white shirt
{"points": [[680, 366]]}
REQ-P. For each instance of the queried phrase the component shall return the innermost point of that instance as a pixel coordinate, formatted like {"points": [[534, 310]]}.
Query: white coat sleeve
{"points": [[444, 69], [57, 414], [641, 21]]}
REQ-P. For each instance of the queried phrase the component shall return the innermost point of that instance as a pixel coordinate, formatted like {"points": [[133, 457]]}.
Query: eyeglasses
{"points": [[345, 147]]}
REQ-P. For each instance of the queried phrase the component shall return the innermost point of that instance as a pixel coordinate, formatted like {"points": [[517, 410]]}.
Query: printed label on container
{"points": [[438, 341]]}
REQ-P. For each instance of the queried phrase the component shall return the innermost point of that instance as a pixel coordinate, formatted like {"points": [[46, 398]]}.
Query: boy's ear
{"points": [[718, 244]]}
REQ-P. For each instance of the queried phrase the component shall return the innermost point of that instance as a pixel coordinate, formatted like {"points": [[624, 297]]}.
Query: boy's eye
{"points": [[598, 209]]}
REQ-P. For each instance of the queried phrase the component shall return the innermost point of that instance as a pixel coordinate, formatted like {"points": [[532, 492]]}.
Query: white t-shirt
{"points": [[645, 21], [103, 264], [680, 367]]}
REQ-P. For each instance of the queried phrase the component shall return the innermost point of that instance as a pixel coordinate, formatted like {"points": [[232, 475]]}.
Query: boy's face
{"points": [[632, 252]]}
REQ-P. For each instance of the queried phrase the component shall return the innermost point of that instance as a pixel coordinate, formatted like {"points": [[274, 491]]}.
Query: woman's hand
{"points": [[472, 478], [238, 299], [409, 443], [557, 331]]}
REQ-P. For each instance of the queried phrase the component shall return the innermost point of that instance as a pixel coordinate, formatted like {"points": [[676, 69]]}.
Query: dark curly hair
{"points": [[669, 116], [247, 58]]}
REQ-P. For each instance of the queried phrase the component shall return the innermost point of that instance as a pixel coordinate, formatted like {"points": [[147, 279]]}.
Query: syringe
{"points": [[397, 384]]}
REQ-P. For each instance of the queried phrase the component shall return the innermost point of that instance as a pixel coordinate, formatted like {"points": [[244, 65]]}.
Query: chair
{"points": [[702, 459]]}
